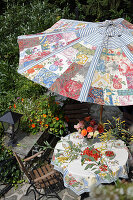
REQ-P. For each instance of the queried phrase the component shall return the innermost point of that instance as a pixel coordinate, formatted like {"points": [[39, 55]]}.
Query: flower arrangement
{"points": [[89, 128]]}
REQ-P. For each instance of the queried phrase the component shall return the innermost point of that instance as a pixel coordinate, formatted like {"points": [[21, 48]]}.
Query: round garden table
{"points": [[81, 173]]}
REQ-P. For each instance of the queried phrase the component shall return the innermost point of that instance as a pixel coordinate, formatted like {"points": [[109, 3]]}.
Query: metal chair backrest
{"points": [[42, 176], [22, 166]]}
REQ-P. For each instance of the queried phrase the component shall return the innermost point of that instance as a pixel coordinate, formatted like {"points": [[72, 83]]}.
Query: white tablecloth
{"points": [[75, 176]]}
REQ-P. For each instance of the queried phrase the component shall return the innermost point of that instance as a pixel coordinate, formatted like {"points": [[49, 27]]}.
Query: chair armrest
{"points": [[45, 176], [35, 155]]}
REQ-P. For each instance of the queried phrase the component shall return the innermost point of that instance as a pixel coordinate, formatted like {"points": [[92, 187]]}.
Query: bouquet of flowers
{"points": [[89, 128]]}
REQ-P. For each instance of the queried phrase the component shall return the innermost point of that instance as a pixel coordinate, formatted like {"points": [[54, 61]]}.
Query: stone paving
{"points": [[19, 194]]}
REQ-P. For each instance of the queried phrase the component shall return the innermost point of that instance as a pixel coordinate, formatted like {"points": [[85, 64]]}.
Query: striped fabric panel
{"points": [[90, 74], [86, 31], [112, 43], [98, 39], [44, 34], [127, 39], [128, 53], [95, 39]]}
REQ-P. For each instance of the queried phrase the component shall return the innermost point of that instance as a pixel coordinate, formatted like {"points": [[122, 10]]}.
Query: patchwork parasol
{"points": [[85, 61]]}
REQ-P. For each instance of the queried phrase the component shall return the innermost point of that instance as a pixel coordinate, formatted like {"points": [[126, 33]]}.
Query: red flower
{"points": [[67, 119], [89, 129], [14, 106], [46, 125], [33, 125], [84, 132], [100, 128], [57, 118], [87, 118], [92, 122]]}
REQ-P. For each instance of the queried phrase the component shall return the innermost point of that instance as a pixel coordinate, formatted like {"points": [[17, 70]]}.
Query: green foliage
{"points": [[116, 129], [1, 130], [41, 114], [100, 10], [9, 171], [32, 17]]}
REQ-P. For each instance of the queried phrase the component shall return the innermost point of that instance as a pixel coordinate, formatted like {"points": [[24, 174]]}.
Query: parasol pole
{"points": [[101, 112]]}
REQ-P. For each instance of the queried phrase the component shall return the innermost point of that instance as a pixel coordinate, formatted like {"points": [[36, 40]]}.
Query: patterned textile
{"points": [[90, 62], [80, 178]]}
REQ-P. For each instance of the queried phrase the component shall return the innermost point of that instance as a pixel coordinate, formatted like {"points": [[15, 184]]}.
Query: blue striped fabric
{"points": [[86, 31], [90, 74], [42, 34]]}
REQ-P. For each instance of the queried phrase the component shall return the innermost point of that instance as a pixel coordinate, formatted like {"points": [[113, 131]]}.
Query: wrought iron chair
{"points": [[42, 177]]}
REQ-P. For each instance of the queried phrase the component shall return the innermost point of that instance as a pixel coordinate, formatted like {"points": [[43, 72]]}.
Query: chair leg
{"points": [[58, 196], [29, 191]]}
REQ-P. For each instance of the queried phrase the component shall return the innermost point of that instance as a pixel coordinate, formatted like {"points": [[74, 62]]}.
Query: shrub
{"points": [[42, 114], [9, 169]]}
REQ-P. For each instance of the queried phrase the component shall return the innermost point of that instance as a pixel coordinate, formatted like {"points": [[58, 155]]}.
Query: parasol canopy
{"points": [[85, 61]]}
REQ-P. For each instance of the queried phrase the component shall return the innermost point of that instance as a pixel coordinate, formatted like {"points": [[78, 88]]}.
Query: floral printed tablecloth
{"points": [[81, 176]]}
